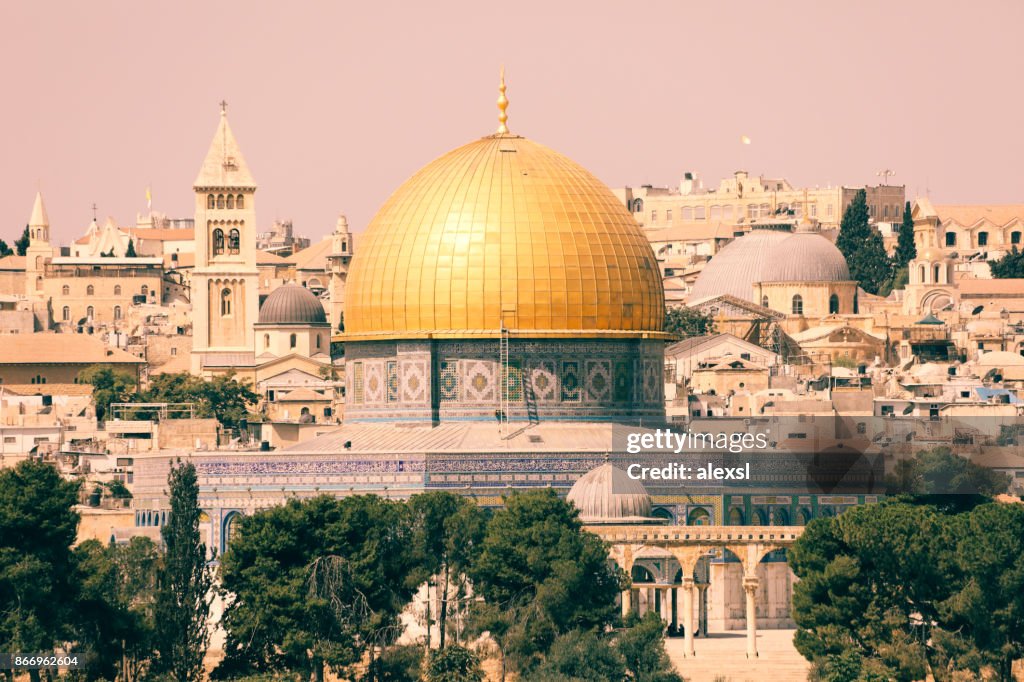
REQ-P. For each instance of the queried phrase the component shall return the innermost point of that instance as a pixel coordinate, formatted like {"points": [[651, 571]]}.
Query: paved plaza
{"points": [[722, 655]]}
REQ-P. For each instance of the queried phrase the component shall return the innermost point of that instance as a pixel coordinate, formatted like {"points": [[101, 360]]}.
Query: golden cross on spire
{"points": [[502, 105]]}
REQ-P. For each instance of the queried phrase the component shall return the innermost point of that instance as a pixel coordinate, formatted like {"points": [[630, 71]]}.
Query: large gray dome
{"points": [[608, 495], [770, 256], [292, 304]]}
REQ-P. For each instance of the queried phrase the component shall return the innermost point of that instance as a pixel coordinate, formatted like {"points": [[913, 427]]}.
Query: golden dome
{"points": [[503, 231]]}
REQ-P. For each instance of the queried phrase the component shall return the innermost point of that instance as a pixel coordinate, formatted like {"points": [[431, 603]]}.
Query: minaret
{"points": [[225, 300], [337, 263], [39, 251]]}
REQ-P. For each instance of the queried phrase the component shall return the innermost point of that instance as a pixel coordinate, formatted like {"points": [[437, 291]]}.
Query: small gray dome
{"points": [[292, 304], [806, 257], [736, 268], [608, 495]]}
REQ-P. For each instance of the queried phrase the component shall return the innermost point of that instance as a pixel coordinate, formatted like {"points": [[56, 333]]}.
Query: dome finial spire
{"points": [[502, 105]]}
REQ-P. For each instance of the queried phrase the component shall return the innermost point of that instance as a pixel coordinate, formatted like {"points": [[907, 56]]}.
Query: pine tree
{"points": [[130, 251], [182, 600], [21, 245], [862, 246], [906, 251], [4, 249]]}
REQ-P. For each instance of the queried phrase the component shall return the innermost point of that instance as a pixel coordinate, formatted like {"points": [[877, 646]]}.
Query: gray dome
{"points": [[806, 257], [735, 268], [607, 495], [770, 256], [292, 304]]}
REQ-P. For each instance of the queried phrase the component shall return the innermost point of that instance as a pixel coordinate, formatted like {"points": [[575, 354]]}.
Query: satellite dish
{"points": [[977, 309], [908, 409]]}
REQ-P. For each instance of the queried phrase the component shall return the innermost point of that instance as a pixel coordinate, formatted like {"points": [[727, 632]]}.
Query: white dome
{"points": [[608, 495], [770, 256]]}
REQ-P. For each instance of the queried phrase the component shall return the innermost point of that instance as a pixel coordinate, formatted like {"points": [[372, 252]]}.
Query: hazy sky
{"points": [[335, 104]]}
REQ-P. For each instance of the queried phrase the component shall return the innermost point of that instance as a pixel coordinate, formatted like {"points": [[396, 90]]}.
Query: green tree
{"points": [[38, 589], [316, 581], [862, 246], [943, 478], [454, 664], [399, 663], [447, 531], [5, 250], [21, 244], [130, 251], [906, 250], [686, 322], [643, 648], [1010, 266], [582, 656], [222, 397], [541, 575], [184, 591], [108, 386]]}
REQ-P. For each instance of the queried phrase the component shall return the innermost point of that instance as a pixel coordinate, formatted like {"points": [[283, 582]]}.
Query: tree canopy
{"points": [[862, 246], [5, 250], [108, 386], [21, 243], [686, 322], [906, 250], [222, 397], [1010, 266]]}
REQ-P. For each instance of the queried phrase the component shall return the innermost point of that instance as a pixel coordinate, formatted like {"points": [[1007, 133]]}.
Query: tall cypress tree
{"points": [[862, 246], [182, 600], [21, 244], [906, 251]]}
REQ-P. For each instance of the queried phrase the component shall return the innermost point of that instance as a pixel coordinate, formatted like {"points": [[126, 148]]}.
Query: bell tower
{"points": [[39, 251], [225, 300], [338, 262]]}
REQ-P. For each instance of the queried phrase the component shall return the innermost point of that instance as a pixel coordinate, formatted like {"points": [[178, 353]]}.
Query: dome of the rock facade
{"points": [[503, 232]]}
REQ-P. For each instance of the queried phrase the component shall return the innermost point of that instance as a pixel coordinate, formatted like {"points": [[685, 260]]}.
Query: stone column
{"points": [[626, 602], [688, 617], [702, 609], [652, 600], [750, 584]]}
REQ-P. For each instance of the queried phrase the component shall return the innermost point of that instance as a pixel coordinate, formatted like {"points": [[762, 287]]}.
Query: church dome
{"points": [[607, 494], [503, 230], [292, 304], [805, 257], [770, 256]]}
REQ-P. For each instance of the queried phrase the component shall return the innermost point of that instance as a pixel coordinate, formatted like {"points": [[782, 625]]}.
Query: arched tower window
{"points": [[65, 290], [923, 274], [65, 314], [764, 301], [39, 283], [638, 206], [938, 274], [90, 290], [211, 201], [234, 239], [231, 201], [220, 201], [266, 341], [317, 340], [89, 312], [218, 242], [798, 305], [117, 290], [292, 341], [240, 201], [225, 302], [951, 239], [833, 304], [698, 517], [117, 312]]}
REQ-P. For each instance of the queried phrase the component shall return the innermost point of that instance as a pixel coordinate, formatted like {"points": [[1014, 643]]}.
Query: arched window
{"points": [[89, 312], [218, 242], [292, 341], [117, 290], [211, 201], [65, 290], [856, 305], [234, 238], [780, 517], [65, 314], [638, 206], [266, 341], [698, 517], [735, 516], [117, 312], [983, 239], [39, 283], [231, 201], [764, 301], [938, 271], [833, 304], [220, 201], [1015, 237], [225, 302], [924, 274], [39, 262], [798, 305], [145, 290], [240, 201], [317, 340], [90, 290]]}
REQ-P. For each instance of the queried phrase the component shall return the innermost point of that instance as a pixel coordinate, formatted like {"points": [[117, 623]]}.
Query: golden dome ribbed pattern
{"points": [[503, 229]]}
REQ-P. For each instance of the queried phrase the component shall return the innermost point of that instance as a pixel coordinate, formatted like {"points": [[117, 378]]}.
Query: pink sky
{"points": [[335, 104]]}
